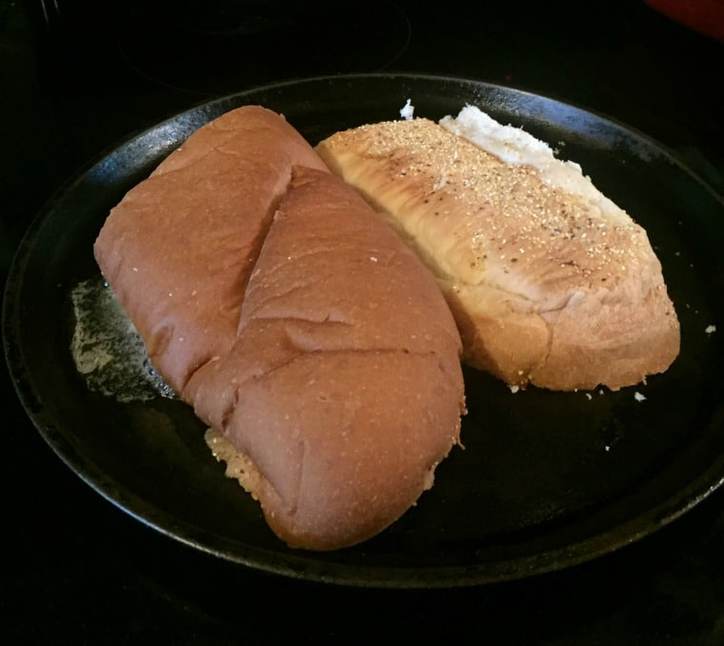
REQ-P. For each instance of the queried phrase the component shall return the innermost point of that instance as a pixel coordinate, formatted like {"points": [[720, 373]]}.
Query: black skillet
{"points": [[547, 480]]}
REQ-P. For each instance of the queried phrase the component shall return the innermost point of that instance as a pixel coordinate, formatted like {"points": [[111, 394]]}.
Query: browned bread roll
{"points": [[296, 322], [344, 386], [180, 246], [549, 281]]}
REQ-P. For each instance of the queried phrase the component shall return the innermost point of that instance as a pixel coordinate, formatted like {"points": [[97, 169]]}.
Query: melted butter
{"points": [[107, 349]]}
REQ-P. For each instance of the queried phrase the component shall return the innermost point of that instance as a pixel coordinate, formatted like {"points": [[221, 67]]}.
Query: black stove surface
{"points": [[79, 77]]}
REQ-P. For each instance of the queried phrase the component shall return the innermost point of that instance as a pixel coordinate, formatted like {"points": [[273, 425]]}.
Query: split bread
{"points": [[298, 325], [550, 282]]}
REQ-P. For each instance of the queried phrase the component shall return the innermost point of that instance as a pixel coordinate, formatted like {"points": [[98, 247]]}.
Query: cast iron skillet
{"points": [[547, 480]]}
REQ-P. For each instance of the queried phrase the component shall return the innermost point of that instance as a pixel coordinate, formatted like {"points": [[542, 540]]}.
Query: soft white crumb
{"points": [[514, 389], [639, 397], [408, 110], [589, 397], [373, 258], [517, 147], [710, 329], [600, 392]]}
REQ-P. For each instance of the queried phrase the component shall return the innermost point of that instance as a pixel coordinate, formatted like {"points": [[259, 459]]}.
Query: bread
{"points": [[344, 386], [323, 352], [549, 281], [179, 248]]}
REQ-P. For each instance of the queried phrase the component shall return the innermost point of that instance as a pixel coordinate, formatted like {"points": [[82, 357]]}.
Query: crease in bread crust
{"points": [[300, 354], [246, 273]]}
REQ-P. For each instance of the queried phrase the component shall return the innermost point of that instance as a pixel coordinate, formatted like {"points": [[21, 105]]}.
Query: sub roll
{"points": [[312, 341], [550, 282]]}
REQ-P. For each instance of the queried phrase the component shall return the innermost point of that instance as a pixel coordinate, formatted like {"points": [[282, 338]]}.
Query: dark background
{"points": [[78, 77]]}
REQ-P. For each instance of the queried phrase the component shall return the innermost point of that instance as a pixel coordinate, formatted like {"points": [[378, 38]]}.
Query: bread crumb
{"points": [[710, 329], [514, 389], [600, 392], [408, 110], [373, 258], [639, 397], [589, 397]]}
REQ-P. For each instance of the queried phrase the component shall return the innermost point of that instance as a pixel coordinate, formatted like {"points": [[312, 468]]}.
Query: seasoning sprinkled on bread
{"points": [[549, 281]]}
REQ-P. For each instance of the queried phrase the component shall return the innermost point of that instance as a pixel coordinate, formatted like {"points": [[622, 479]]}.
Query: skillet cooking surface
{"points": [[547, 479]]}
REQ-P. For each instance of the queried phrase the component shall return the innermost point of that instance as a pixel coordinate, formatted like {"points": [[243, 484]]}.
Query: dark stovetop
{"points": [[79, 77]]}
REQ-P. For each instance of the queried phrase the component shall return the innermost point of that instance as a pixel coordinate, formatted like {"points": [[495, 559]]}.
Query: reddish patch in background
{"points": [[705, 16]]}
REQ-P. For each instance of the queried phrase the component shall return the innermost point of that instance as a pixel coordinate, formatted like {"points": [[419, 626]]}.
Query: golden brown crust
{"points": [[546, 287], [296, 322], [345, 397], [180, 245]]}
